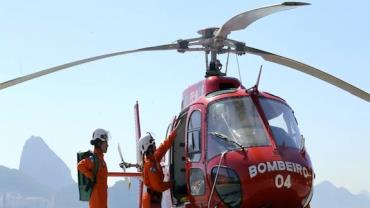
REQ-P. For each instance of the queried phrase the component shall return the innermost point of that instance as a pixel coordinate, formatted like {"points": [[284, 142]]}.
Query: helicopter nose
{"points": [[256, 180], [277, 183]]}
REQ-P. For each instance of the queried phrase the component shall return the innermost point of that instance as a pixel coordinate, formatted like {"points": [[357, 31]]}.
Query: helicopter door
{"points": [[177, 161], [195, 170]]}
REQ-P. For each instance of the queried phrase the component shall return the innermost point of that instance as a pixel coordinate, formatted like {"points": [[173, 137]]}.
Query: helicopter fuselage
{"points": [[239, 148]]}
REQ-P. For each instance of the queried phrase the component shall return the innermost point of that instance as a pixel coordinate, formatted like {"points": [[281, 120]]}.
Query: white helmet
{"points": [[100, 134], [145, 142]]}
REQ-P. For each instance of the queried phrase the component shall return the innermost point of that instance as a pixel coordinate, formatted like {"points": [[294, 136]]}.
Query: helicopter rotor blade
{"points": [[243, 20], [310, 71], [28, 77]]}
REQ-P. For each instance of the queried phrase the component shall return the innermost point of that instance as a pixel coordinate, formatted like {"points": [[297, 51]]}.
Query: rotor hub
{"points": [[208, 32]]}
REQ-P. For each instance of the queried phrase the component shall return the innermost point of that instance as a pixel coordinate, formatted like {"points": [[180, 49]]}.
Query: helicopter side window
{"points": [[194, 136], [283, 124]]}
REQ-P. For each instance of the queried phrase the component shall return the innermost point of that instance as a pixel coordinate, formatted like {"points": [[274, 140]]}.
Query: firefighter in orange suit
{"points": [[99, 194], [152, 171]]}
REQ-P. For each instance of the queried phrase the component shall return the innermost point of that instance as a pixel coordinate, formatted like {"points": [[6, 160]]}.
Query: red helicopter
{"points": [[235, 146]]}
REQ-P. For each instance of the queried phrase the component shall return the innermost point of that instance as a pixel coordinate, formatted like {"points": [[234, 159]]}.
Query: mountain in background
{"points": [[328, 195], [14, 181], [120, 195], [44, 181], [18, 190], [365, 193], [41, 163]]}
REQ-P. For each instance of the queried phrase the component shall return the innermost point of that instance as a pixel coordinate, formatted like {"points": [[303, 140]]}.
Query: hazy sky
{"points": [[64, 108]]}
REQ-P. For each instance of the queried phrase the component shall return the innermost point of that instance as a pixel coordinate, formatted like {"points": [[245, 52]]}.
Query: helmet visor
{"points": [[105, 137], [151, 141]]}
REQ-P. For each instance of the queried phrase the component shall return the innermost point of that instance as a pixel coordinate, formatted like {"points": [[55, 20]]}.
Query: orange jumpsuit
{"points": [[99, 194], [152, 172]]}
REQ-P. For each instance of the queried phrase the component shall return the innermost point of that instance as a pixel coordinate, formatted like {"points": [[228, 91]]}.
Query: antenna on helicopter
{"points": [[255, 87], [258, 78], [237, 62]]}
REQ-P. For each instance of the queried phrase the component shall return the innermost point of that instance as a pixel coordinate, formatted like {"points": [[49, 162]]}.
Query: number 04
{"points": [[280, 182]]}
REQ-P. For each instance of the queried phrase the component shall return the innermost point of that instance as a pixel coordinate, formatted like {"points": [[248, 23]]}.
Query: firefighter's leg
{"points": [[146, 200]]}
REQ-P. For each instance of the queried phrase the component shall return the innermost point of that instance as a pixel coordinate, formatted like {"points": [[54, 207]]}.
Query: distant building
{"points": [[2, 201], [34, 202], [15, 200], [10, 200]]}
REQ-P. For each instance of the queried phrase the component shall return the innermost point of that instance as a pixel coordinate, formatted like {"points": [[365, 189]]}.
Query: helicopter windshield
{"points": [[234, 123], [283, 124]]}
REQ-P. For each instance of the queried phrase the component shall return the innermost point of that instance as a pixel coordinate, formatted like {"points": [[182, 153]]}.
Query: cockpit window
{"points": [[234, 123], [282, 123]]}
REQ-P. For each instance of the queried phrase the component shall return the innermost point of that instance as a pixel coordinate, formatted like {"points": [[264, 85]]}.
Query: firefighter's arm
{"points": [[86, 166], [165, 145], [155, 181]]}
